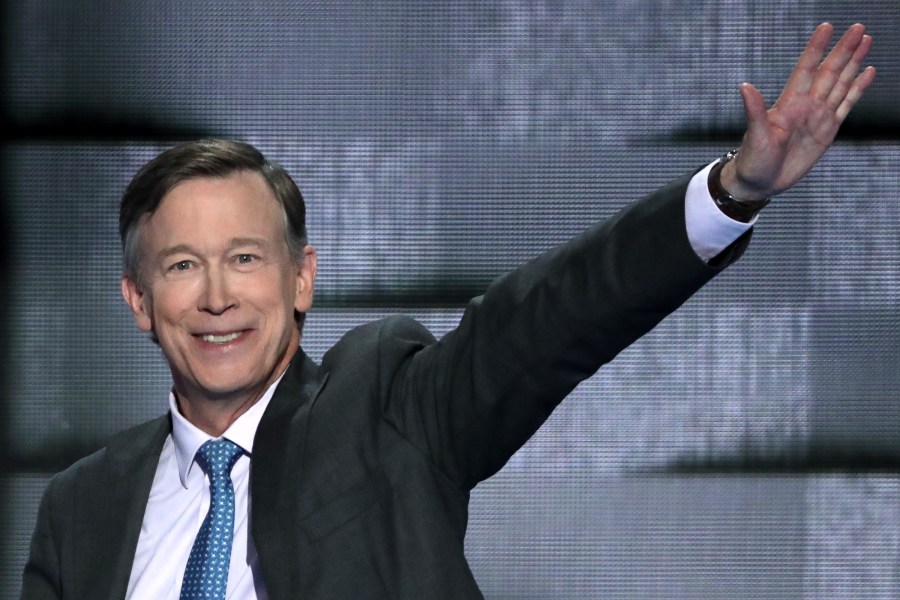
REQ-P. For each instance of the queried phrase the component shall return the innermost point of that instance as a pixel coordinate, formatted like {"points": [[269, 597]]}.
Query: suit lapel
{"points": [[278, 450], [109, 508], [110, 500]]}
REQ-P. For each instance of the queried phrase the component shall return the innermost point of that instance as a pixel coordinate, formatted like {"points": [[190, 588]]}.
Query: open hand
{"points": [[784, 142]]}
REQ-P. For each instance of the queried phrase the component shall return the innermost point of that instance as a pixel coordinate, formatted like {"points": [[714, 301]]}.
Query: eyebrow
{"points": [[240, 242], [179, 249], [232, 244]]}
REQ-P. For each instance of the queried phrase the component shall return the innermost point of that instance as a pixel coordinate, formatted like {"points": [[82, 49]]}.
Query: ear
{"points": [[306, 277], [138, 302]]}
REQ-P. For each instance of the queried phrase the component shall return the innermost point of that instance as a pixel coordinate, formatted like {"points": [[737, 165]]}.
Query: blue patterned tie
{"points": [[206, 574]]}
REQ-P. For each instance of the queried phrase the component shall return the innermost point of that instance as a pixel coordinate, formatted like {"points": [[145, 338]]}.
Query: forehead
{"points": [[205, 210]]}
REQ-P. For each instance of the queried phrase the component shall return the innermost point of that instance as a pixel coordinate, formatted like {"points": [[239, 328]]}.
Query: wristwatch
{"points": [[739, 210]]}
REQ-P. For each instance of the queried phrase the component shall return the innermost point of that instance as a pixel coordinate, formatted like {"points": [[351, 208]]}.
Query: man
{"points": [[351, 479]]}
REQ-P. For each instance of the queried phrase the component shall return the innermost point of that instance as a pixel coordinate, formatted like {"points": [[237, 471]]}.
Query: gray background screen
{"points": [[746, 448]]}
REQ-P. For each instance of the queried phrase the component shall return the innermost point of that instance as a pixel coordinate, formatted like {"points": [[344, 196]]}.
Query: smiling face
{"points": [[219, 289]]}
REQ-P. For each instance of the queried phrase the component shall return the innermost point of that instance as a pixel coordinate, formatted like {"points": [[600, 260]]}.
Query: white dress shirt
{"points": [[178, 503], [179, 497], [709, 229]]}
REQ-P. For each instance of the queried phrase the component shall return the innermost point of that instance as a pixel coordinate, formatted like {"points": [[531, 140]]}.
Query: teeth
{"points": [[221, 339]]}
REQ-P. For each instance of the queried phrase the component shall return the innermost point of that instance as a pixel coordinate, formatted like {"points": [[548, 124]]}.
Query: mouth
{"points": [[220, 338]]}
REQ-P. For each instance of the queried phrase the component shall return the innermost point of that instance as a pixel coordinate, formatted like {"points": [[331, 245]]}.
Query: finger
{"points": [[805, 70], [829, 72], [848, 75], [860, 84], [755, 110]]}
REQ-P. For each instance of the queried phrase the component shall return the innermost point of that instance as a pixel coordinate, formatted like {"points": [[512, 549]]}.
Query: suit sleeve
{"points": [[473, 398], [41, 576]]}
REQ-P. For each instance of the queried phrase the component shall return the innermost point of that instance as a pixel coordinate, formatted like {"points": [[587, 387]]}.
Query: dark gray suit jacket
{"points": [[362, 467]]}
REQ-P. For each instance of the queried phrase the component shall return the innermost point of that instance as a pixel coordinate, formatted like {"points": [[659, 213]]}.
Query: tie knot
{"points": [[218, 456]]}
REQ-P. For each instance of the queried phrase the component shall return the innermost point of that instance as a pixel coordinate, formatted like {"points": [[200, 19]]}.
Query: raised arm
{"points": [[784, 142]]}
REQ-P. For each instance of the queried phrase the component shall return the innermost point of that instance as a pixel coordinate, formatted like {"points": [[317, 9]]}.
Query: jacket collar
{"points": [[276, 466], [109, 507]]}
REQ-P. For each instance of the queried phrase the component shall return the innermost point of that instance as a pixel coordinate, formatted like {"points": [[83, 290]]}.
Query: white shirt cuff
{"points": [[709, 230]]}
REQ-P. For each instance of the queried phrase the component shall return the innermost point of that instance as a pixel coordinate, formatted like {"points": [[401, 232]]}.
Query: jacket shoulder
{"points": [[365, 340], [125, 445]]}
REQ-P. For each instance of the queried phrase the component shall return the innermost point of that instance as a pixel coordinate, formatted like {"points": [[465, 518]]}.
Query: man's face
{"points": [[219, 288]]}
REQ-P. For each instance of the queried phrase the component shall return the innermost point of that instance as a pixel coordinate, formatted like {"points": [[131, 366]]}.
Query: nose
{"points": [[217, 296]]}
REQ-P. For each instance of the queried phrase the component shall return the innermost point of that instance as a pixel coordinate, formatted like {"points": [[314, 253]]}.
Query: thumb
{"points": [[754, 109]]}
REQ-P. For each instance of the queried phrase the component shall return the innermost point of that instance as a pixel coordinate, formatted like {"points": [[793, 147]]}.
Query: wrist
{"points": [[736, 201], [735, 186]]}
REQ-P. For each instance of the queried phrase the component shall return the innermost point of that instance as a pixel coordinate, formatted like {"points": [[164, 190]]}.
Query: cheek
{"points": [[170, 303], [281, 290], [267, 295]]}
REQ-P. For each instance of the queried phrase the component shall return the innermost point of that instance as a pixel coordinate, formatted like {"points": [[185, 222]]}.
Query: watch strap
{"points": [[739, 210]]}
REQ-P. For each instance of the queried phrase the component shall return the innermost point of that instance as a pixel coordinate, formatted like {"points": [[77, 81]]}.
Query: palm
{"points": [[784, 142]]}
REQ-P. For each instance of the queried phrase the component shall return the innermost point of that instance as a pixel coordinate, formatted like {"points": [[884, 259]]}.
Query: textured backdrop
{"points": [[747, 448]]}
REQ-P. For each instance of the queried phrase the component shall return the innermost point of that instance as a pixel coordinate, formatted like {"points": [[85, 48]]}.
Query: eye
{"points": [[246, 261], [181, 265]]}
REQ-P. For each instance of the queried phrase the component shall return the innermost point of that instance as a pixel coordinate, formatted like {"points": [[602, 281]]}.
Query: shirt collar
{"points": [[188, 438]]}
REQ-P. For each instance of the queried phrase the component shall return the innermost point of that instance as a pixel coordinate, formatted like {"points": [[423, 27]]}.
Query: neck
{"points": [[214, 416], [213, 412]]}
